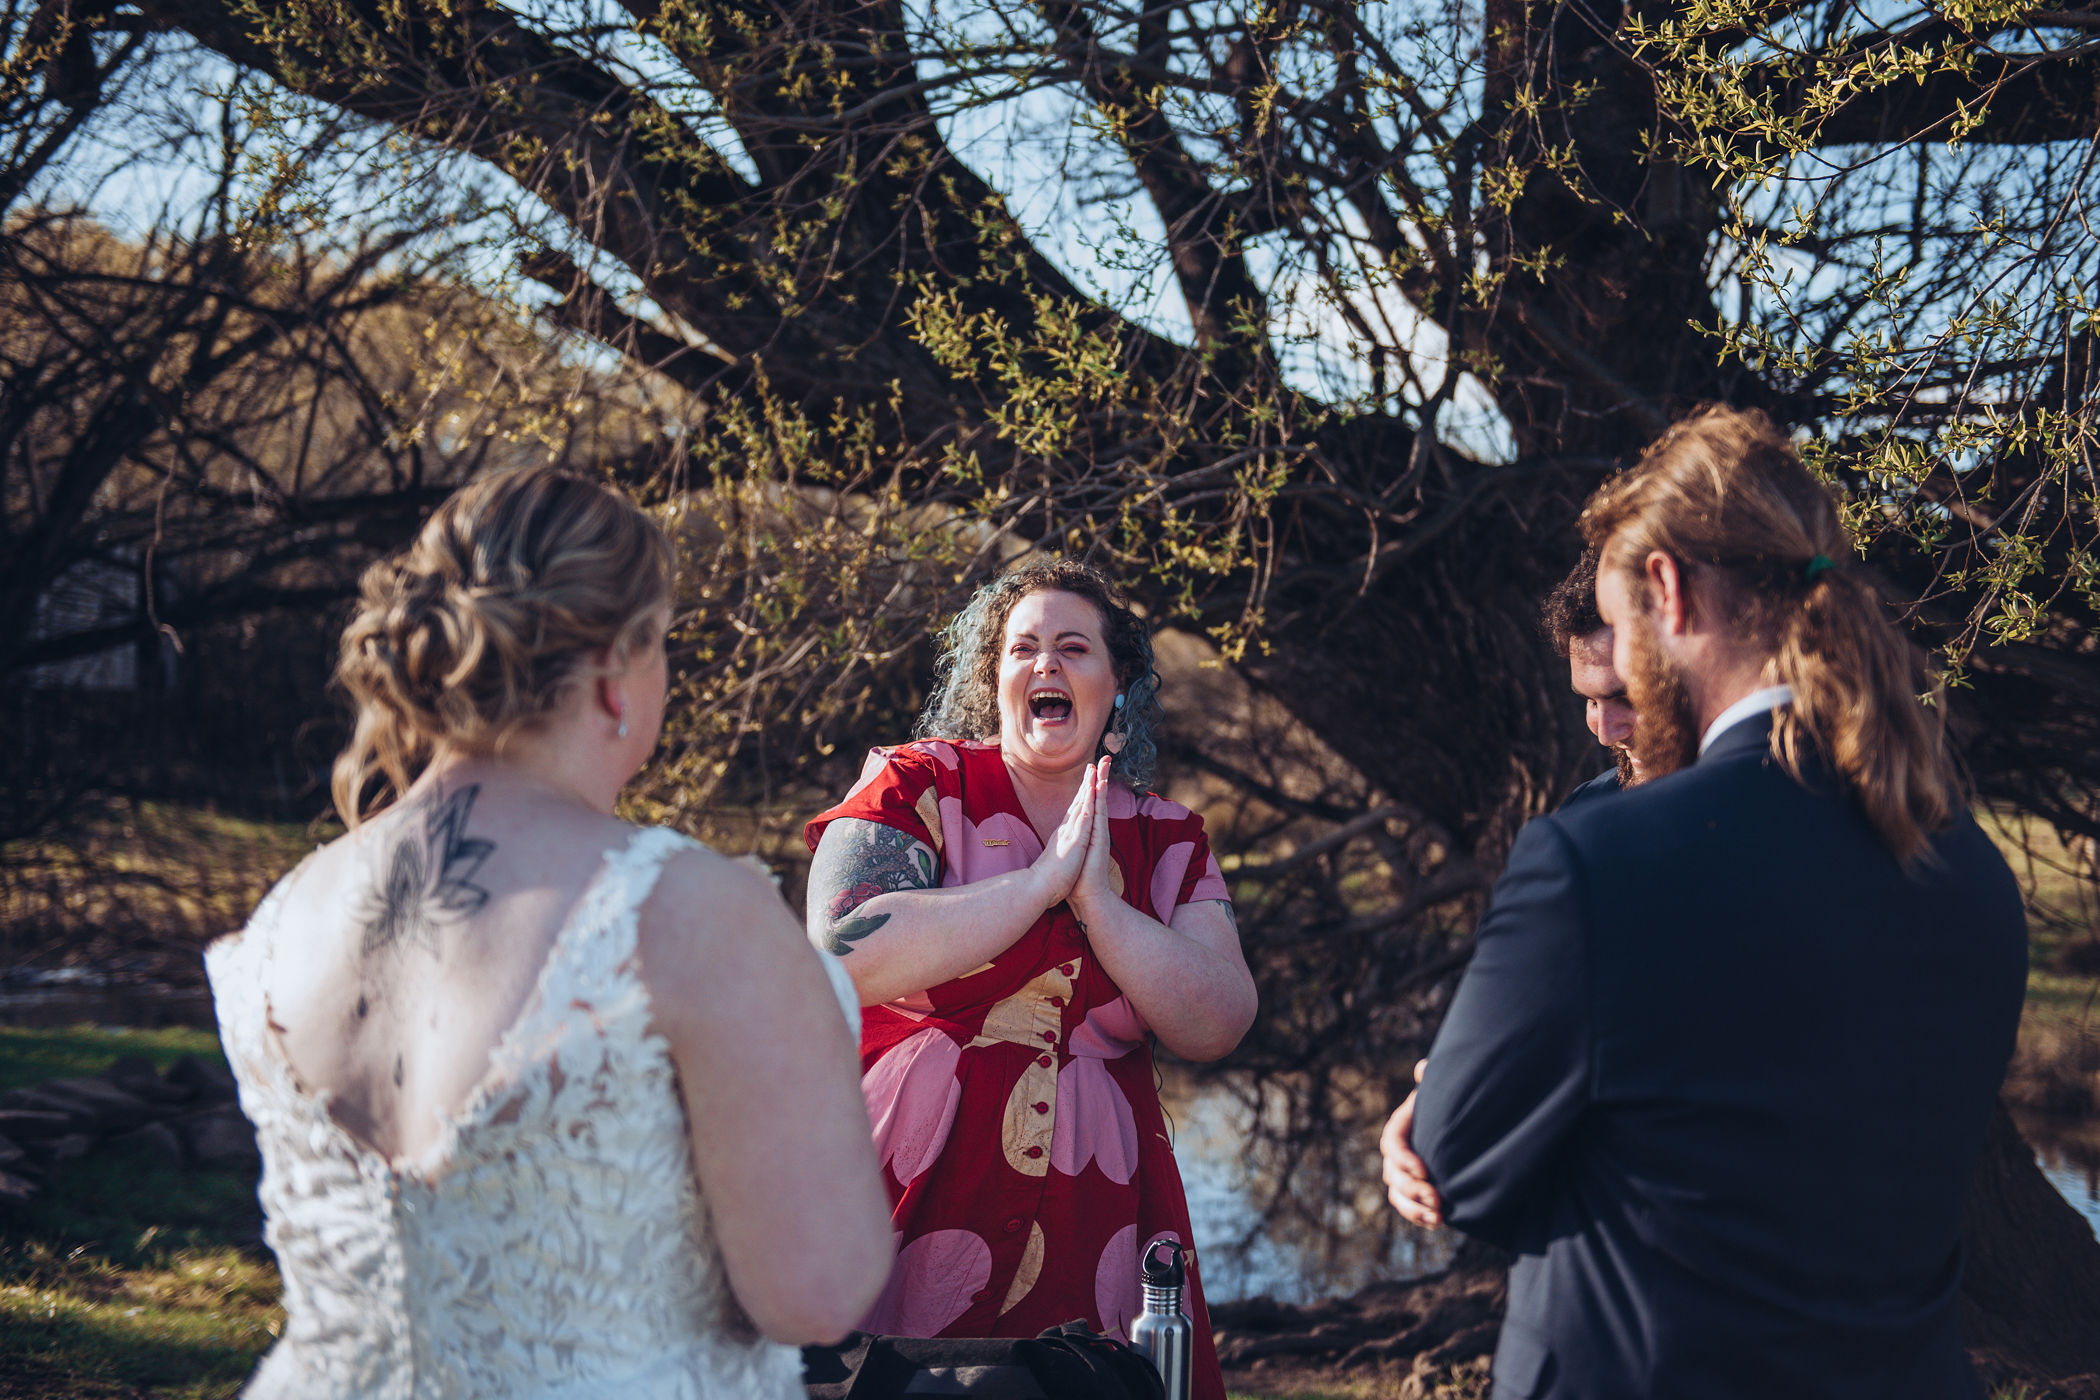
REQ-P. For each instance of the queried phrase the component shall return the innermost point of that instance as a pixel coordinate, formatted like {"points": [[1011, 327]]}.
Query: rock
{"points": [[109, 1108], [210, 1082], [135, 1075], [30, 1125], [19, 1161], [157, 1140], [52, 1151], [127, 1068], [79, 1117], [219, 1137]]}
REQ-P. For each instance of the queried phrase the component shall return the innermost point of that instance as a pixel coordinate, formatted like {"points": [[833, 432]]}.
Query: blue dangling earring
{"points": [[1113, 739]]}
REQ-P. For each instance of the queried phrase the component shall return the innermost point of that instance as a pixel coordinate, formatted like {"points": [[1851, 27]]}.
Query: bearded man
{"points": [[1722, 1063], [1570, 620]]}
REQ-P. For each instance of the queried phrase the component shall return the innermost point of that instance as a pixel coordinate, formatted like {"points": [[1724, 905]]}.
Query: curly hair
{"points": [[481, 625], [965, 700], [1570, 610]]}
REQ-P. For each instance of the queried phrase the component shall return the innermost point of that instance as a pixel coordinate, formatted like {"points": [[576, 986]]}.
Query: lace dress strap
{"points": [[236, 964], [591, 971], [607, 927]]}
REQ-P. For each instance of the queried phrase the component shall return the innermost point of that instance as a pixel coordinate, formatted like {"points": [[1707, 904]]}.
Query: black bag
{"points": [[1064, 1363]]}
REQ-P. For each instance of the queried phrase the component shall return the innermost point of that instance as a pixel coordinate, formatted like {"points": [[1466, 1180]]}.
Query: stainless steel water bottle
{"points": [[1160, 1331]]}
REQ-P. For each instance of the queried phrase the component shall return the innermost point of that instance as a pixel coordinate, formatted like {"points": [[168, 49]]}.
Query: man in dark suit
{"points": [[1722, 1063], [1571, 622]]}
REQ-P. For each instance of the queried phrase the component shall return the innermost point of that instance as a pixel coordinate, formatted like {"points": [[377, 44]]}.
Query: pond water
{"points": [[1329, 1245], [71, 996], [2069, 1154], [1319, 1243]]}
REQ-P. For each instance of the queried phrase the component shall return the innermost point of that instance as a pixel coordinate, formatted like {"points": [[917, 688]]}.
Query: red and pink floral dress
{"points": [[1014, 1107]]}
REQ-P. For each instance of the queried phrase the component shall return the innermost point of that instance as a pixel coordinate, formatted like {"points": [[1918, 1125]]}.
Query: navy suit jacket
{"points": [[1605, 784], [1719, 1073]]}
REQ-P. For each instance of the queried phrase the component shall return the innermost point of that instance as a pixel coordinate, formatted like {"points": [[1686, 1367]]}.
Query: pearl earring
{"points": [[622, 731]]}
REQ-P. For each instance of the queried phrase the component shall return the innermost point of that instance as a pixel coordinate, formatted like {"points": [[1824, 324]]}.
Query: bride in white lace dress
{"points": [[549, 1107]]}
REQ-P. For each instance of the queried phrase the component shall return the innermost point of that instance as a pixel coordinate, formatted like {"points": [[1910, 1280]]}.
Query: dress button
{"points": [[1035, 1152], [1042, 1107], [1043, 1060], [1050, 1037], [1057, 1001], [980, 1295], [1066, 969], [1013, 1226]]}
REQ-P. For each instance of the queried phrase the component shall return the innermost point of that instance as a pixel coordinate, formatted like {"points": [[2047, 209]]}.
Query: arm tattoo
{"points": [[429, 876], [868, 859]]}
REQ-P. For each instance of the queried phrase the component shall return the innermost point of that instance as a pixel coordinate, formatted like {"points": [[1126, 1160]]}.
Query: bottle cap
{"points": [[1161, 1275]]}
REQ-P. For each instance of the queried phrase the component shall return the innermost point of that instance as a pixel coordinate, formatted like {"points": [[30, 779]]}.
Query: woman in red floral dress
{"points": [[1022, 921]]}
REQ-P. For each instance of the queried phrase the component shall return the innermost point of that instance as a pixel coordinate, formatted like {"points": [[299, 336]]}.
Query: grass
{"points": [[128, 1277], [30, 1056], [131, 880], [2063, 924], [2056, 1068]]}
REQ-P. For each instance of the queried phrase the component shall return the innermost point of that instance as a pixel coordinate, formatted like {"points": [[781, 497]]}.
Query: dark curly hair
{"points": [[1570, 610], [965, 700]]}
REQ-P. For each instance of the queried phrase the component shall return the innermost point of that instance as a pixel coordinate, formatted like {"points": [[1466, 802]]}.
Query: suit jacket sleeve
{"points": [[1509, 1074]]}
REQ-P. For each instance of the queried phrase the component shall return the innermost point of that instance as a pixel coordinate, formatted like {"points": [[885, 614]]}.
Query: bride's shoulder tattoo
{"points": [[869, 859], [428, 875]]}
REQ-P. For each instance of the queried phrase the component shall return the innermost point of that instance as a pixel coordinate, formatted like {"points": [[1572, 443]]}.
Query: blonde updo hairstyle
{"points": [[482, 625]]}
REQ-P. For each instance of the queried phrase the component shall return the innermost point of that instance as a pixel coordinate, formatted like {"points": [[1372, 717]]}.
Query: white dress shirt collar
{"points": [[1749, 707]]}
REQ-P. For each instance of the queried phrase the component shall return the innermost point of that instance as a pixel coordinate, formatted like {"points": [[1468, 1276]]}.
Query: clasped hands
{"points": [[1407, 1175], [1075, 866], [1076, 863]]}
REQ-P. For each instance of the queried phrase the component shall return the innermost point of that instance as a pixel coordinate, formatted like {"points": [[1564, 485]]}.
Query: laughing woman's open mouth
{"points": [[1050, 706]]}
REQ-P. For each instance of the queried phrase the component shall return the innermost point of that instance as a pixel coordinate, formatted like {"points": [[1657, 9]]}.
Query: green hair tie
{"points": [[1817, 567]]}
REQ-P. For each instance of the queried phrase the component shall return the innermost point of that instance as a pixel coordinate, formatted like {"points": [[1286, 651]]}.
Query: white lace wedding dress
{"points": [[551, 1245]]}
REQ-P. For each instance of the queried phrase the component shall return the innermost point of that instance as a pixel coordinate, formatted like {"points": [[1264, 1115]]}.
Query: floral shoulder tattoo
{"points": [[857, 861]]}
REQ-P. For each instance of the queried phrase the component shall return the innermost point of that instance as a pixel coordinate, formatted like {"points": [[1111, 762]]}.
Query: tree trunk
{"points": [[2031, 1289]]}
